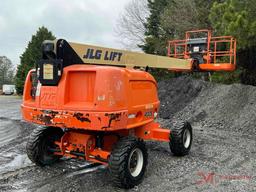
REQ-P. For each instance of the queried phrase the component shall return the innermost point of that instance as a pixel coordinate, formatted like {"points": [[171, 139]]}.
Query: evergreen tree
{"points": [[170, 19], [153, 44], [237, 18], [31, 55]]}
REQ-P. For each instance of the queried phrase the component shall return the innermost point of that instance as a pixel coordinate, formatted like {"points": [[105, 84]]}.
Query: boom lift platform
{"points": [[94, 106], [208, 53]]}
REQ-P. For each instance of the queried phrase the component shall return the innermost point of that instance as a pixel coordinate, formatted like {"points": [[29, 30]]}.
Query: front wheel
{"points": [[181, 138], [128, 162]]}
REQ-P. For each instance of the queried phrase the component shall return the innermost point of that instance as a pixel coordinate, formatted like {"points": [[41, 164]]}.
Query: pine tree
{"points": [[170, 19], [153, 33], [237, 18], [31, 55]]}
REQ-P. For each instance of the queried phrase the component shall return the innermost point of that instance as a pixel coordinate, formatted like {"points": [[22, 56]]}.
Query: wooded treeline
{"points": [[149, 24], [170, 19]]}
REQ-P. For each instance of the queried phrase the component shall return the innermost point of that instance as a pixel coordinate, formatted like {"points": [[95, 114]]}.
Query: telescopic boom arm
{"points": [[75, 53], [199, 51]]}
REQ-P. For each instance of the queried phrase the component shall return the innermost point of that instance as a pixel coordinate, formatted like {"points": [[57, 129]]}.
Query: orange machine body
{"points": [[95, 101], [95, 98]]}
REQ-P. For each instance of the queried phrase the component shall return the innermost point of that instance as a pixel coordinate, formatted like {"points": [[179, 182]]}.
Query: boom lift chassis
{"points": [[93, 106]]}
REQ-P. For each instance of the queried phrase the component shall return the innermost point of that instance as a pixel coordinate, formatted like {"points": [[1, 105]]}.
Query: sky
{"points": [[83, 21]]}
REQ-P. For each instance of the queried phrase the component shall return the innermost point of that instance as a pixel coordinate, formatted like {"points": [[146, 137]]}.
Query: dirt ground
{"points": [[222, 158]]}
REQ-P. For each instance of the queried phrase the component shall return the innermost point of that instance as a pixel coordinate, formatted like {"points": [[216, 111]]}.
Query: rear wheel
{"points": [[181, 138], [40, 143], [128, 162]]}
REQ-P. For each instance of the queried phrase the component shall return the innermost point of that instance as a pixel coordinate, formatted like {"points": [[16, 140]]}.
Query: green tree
{"points": [[31, 55], [237, 18], [6, 71], [170, 19], [153, 37]]}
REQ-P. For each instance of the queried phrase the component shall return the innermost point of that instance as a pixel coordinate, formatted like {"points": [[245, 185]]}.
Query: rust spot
{"points": [[45, 118], [50, 112], [112, 117], [80, 117]]}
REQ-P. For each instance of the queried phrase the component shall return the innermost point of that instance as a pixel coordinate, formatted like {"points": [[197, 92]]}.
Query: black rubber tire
{"points": [[119, 160], [176, 143], [39, 141]]}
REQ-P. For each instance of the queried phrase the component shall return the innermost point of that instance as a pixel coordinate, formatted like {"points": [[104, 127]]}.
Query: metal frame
{"points": [[212, 56]]}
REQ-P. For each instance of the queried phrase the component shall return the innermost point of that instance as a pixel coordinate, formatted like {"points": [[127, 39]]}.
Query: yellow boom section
{"points": [[107, 56]]}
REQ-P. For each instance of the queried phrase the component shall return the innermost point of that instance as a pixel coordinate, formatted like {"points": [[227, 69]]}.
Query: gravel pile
{"points": [[209, 105]]}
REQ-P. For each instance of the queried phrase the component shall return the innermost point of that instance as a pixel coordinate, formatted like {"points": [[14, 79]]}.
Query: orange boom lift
{"points": [[93, 105]]}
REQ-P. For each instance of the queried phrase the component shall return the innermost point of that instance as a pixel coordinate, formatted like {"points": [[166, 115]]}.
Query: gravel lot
{"points": [[222, 157]]}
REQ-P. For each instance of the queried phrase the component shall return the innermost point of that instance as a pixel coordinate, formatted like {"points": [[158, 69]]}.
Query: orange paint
{"points": [[94, 98]]}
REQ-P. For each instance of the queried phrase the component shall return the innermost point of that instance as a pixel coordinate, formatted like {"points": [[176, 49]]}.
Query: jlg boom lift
{"points": [[94, 106]]}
